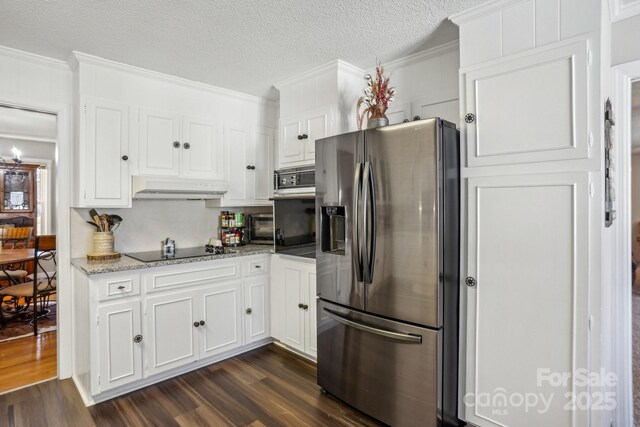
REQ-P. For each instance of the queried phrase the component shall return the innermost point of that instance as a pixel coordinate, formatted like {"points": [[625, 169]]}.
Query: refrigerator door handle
{"points": [[369, 197], [356, 243], [373, 330]]}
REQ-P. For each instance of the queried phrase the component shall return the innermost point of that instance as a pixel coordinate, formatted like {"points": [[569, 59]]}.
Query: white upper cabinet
{"points": [[202, 154], [315, 105], [530, 109], [182, 146], [104, 171], [133, 122], [299, 137], [249, 154], [159, 142]]}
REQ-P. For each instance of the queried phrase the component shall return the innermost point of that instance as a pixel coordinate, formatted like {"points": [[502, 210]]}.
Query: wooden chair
{"points": [[15, 237], [43, 287], [11, 238]]}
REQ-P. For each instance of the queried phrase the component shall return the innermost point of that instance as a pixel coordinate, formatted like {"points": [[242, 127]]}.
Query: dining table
{"points": [[9, 257]]}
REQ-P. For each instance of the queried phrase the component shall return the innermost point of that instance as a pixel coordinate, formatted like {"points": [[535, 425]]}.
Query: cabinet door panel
{"points": [[448, 110], [256, 295], [293, 277], [170, 331], [528, 251], [221, 312], [204, 157], [290, 148], [107, 140], [120, 357], [237, 141], [262, 175], [317, 128], [311, 333], [158, 132], [540, 113], [397, 113]]}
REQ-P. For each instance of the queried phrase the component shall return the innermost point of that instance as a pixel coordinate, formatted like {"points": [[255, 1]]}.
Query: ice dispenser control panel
{"points": [[333, 229]]}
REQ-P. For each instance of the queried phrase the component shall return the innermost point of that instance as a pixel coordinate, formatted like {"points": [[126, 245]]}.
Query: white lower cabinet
{"points": [[293, 304], [170, 332], [188, 314], [119, 343]]}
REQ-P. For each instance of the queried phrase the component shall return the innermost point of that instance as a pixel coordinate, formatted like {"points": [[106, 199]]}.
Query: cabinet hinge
{"points": [[98, 319], [98, 379], [590, 57], [589, 322], [146, 366], [591, 189]]}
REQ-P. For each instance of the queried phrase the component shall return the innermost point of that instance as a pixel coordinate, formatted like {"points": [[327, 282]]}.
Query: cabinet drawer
{"points": [[256, 266], [117, 286], [190, 274]]}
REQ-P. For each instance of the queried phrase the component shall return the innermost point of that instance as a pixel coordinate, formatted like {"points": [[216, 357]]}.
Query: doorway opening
{"points": [[28, 250]]}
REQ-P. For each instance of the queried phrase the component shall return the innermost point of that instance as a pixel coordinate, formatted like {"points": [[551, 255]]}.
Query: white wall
{"points": [[148, 222]]}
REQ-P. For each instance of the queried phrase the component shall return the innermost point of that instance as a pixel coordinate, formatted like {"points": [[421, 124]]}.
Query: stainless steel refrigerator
{"points": [[387, 260]]}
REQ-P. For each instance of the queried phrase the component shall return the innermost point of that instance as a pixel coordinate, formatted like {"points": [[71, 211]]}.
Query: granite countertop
{"points": [[125, 263]]}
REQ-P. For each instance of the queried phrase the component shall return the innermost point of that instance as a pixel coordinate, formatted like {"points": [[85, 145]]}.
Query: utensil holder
{"points": [[103, 242]]}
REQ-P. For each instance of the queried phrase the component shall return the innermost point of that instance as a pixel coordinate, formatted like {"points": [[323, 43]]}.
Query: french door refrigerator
{"points": [[387, 261]]}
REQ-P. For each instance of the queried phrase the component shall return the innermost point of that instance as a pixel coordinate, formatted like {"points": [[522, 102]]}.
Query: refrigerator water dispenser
{"points": [[333, 235]]}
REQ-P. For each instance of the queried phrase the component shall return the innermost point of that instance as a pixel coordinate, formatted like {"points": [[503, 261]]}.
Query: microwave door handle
{"points": [[369, 214], [355, 223]]}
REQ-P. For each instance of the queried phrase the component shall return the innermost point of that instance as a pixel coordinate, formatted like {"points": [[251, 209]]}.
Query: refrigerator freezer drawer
{"points": [[387, 369]]}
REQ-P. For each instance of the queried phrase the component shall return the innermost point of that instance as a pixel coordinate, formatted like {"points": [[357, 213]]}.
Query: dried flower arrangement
{"points": [[377, 96]]}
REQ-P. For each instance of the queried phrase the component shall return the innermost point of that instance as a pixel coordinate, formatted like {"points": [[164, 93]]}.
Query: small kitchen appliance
{"points": [[261, 229]]}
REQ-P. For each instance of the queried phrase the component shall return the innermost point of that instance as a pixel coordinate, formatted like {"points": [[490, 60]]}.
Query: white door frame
{"points": [[621, 310], [63, 230]]}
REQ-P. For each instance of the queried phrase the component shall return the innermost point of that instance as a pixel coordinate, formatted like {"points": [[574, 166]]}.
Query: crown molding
{"points": [[423, 55], [620, 12], [336, 64], [84, 58], [33, 58], [479, 10]]}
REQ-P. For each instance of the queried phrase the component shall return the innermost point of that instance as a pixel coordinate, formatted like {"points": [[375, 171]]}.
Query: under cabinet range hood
{"points": [[170, 188]]}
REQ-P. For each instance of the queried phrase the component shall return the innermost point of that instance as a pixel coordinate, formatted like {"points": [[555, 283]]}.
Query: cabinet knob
{"points": [[300, 137], [249, 311], [125, 157], [304, 136], [186, 145], [416, 118], [470, 118], [305, 307], [176, 144], [251, 167], [121, 287], [300, 305], [202, 323], [470, 282], [196, 324], [405, 121], [137, 339]]}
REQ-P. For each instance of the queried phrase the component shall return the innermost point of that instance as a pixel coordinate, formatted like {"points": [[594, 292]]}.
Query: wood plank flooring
{"points": [[27, 361], [268, 386]]}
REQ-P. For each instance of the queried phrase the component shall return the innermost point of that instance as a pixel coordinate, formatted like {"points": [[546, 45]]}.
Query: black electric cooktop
{"points": [[180, 253]]}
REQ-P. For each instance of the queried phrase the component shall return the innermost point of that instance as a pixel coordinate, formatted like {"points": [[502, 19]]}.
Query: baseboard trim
{"points": [[110, 394]]}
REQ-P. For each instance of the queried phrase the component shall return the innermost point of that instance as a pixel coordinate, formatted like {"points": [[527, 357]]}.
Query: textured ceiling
{"points": [[241, 45]]}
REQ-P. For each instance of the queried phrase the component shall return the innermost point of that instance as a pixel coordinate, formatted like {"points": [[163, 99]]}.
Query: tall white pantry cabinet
{"points": [[530, 135]]}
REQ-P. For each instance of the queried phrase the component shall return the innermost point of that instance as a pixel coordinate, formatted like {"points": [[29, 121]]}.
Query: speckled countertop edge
{"points": [[126, 264]]}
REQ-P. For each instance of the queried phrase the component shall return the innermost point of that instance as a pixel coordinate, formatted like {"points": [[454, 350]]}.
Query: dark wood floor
{"points": [[265, 387]]}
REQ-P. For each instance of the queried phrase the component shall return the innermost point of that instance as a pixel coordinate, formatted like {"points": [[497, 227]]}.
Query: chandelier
{"points": [[16, 160]]}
